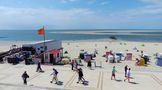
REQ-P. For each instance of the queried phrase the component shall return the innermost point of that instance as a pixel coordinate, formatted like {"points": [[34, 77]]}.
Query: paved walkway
{"points": [[99, 79]]}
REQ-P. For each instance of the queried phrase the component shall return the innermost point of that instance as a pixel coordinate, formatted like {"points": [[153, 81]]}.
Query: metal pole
{"points": [[44, 45]]}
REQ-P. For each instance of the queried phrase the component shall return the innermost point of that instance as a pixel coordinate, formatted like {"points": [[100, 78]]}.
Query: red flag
{"points": [[41, 31]]}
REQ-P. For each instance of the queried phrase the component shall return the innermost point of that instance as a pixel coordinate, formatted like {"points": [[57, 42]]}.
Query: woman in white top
{"points": [[128, 75]]}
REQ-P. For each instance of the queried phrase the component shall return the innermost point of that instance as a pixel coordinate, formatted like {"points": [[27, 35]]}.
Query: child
{"points": [[113, 73]]}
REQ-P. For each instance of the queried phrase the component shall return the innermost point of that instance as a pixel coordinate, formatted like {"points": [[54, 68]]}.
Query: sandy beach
{"points": [[146, 77], [74, 47]]}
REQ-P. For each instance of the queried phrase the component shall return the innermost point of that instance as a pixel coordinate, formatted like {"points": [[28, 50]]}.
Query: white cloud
{"points": [[147, 10], [66, 1], [54, 17], [152, 2], [10, 17], [148, 15], [152, 8], [104, 3], [91, 1]]}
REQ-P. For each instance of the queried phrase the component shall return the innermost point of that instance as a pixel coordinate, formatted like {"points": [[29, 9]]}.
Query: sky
{"points": [[80, 14]]}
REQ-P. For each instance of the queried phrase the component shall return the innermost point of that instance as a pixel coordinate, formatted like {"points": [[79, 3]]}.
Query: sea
{"points": [[31, 35]]}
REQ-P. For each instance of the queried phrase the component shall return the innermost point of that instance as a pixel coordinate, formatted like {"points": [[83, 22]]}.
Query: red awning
{"points": [[55, 51]]}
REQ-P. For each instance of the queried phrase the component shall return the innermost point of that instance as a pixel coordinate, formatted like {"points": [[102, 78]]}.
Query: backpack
{"points": [[56, 71]]}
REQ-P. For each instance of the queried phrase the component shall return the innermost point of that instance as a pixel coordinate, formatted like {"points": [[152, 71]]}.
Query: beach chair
{"points": [[159, 61], [120, 54], [111, 59], [117, 59], [128, 56], [140, 62]]}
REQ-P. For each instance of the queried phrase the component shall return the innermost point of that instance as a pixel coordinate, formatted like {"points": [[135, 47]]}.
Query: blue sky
{"points": [[81, 14]]}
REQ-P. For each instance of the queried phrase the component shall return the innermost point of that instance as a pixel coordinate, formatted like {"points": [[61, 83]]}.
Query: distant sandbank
{"points": [[115, 32]]}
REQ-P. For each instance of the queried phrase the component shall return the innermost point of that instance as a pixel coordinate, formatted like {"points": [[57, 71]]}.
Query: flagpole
{"points": [[44, 37], [44, 44]]}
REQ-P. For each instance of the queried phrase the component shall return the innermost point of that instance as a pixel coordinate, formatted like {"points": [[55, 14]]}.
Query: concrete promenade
{"points": [[144, 78]]}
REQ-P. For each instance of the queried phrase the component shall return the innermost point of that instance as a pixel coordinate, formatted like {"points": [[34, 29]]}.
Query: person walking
{"points": [[113, 73], [80, 76], [125, 70], [25, 76], [54, 73], [75, 64], [128, 75], [72, 65], [89, 64], [39, 69]]}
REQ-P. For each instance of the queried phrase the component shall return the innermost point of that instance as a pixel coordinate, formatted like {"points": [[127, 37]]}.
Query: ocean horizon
{"points": [[142, 35]]}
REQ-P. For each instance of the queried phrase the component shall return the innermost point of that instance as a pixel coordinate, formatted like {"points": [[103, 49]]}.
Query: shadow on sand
{"points": [[118, 80], [59, 83], [133, 82], [85, 83]]}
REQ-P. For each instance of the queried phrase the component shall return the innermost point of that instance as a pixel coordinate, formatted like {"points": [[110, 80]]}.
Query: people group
{"points": [[127, 73], [54, 74]]}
